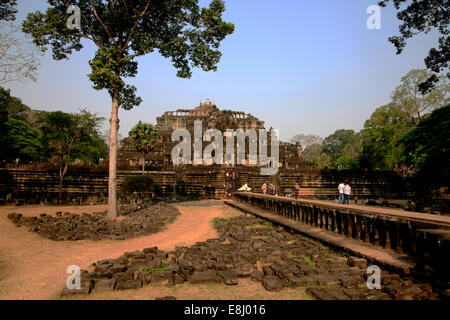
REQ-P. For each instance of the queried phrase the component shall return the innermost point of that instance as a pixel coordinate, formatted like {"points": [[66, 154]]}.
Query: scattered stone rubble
{"points": [[250, 247], [69, 226]]}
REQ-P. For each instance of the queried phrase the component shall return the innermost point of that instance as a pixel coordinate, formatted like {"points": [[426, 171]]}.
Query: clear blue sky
{"points": [[301, 66]]}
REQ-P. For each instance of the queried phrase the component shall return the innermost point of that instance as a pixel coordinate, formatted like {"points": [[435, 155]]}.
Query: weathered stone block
{"points": [[105, 284], [204, 276], [123, 285], [229, 277], [272, 283]]}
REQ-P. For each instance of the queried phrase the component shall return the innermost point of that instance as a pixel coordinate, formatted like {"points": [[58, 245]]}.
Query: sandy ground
{"points": [[32, 267]]}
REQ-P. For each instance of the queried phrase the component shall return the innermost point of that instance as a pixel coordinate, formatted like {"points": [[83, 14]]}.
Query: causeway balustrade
{"points": [[411, 233]]}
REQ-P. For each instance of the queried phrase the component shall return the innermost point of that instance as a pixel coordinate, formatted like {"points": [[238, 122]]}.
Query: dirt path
{"points": [[32, 267]]}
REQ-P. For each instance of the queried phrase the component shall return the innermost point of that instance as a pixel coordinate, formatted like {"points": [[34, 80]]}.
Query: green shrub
{"points": [[140, 184]]}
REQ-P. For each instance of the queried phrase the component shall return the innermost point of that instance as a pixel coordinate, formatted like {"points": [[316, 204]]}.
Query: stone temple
{"points": [[212, 117]]}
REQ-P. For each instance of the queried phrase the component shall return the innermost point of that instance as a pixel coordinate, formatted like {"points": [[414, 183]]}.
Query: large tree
{"points": [[69, 137], [423, 16], [427, 146], [124, 30], [416, 103], [143, 137], [13, 105], [343, 147], [381, 137], [22, 141]]}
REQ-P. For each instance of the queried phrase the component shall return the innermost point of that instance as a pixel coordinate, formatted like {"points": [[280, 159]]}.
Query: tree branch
{"points": [[104, 26], [135, 25]]}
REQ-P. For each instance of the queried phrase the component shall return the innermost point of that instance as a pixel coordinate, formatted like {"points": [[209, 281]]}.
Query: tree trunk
{"points": [[112, 182], [143, 165], [60, 190], [62, 173]]}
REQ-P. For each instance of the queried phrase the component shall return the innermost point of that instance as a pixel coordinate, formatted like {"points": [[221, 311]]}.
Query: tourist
{"points": [[264, 188], [341, 192], [296, 190], [347, 193]]}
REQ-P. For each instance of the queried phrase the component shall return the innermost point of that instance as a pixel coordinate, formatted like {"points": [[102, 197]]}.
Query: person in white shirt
{"points": [[341, 192], [347, 193]]}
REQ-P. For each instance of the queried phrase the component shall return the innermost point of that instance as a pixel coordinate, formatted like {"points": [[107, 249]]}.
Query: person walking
{"points": [[347, 193], [296, 190], [341, 192]]}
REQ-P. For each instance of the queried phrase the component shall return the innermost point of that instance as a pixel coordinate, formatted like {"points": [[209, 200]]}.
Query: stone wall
{"points": [[90, 185], [322, 184]]}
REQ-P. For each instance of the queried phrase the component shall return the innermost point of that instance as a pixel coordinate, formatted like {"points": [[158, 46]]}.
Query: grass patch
{"points": [[268, 223], [256, 226], [153, 270], [309, 261], [291, 255], [218, 221]]}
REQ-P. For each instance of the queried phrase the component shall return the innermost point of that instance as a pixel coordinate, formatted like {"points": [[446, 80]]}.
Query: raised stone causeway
{"points": [[69, 226], [250, 247]]}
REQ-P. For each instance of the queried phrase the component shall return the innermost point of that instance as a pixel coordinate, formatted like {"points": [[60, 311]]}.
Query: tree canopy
{"points": [[427, 146], [72, 136], [343, 147], [22, 141], [13, 105], [423, 16], [122, 31], [8, 10], [416, 103], [381, 137], [143, 137]]}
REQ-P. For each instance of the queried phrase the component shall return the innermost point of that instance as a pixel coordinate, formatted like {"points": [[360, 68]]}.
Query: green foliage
{"points": [[22, 141], [143, 137], [3, 131], [154, 270], [343, 145], [8, 10], [428, 147], [423, 16], [417, 104], [345, 162], [381, 137], [122, 31], [218, 221], [70, 136], [14, 106], [140, 184], [315, 154], [308, 260]]}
